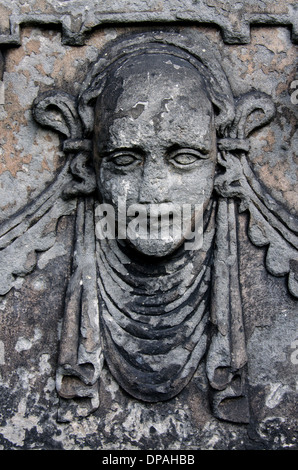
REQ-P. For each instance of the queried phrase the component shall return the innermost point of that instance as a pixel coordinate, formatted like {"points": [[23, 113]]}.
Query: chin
{"points": [[157, 248]]}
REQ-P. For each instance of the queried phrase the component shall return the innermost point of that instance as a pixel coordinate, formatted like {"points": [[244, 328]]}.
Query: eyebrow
{"points": [[107, 152], [203, 147]]}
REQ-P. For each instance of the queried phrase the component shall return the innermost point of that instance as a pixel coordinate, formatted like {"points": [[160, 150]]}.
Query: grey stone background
{"points": [[49, 44]]}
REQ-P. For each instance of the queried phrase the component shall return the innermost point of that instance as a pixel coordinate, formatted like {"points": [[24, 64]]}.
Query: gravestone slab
{"points": [[148, 225]]}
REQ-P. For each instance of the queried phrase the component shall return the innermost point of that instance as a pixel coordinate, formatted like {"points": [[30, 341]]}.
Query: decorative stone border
{"points": [[234, 24]]}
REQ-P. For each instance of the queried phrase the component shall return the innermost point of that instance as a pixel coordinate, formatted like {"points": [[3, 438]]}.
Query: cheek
{"points": [[194, 187], [207, 180], [112, 186]]}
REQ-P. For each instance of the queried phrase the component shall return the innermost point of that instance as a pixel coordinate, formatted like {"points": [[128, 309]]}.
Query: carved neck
{"points": [[153, 315]]}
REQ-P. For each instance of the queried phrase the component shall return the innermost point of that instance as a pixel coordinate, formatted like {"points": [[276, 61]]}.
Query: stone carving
{"points": [[76, 25], [155, 122]]}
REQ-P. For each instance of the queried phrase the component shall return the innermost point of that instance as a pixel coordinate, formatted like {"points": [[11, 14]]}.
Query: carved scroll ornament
{"points": [[152, 313]]}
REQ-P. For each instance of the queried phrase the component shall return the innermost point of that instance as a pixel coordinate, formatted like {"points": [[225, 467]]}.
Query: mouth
{"points": [[155, 236], [152, 229]]}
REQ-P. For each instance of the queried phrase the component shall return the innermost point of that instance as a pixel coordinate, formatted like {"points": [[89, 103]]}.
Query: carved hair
{"points": [[195, 50]]}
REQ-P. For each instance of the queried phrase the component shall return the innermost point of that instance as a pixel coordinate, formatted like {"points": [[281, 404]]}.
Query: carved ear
{"points": [[57, 110], [84, 181], [253, 110]]}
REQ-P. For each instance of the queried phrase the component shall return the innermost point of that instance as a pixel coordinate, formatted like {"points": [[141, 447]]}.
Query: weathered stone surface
{"points": [[233, 20], [257, 58]]}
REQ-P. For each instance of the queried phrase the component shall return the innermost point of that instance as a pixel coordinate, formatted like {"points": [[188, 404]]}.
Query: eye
{"points": [[186, 157], [125, 160]]}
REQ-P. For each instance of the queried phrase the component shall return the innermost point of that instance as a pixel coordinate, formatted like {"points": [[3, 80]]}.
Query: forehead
{"points": [[154, 95]]}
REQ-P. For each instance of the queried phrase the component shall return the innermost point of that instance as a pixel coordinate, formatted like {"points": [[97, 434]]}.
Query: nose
{"points": [[154, 187]]}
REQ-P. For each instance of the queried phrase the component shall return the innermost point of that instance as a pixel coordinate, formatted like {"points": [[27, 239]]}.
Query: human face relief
{"points": [[156, 144]]}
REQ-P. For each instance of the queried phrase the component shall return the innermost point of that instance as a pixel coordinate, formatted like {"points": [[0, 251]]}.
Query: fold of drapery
{"points": [[226, 358], [81, 358], [154, 322]]}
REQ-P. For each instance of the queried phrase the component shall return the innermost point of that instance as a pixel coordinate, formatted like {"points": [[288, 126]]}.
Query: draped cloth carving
{"points": [[151, 322]]}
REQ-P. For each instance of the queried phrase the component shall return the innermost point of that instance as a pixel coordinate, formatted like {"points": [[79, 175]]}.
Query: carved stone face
{"points": [[155, 140]]}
